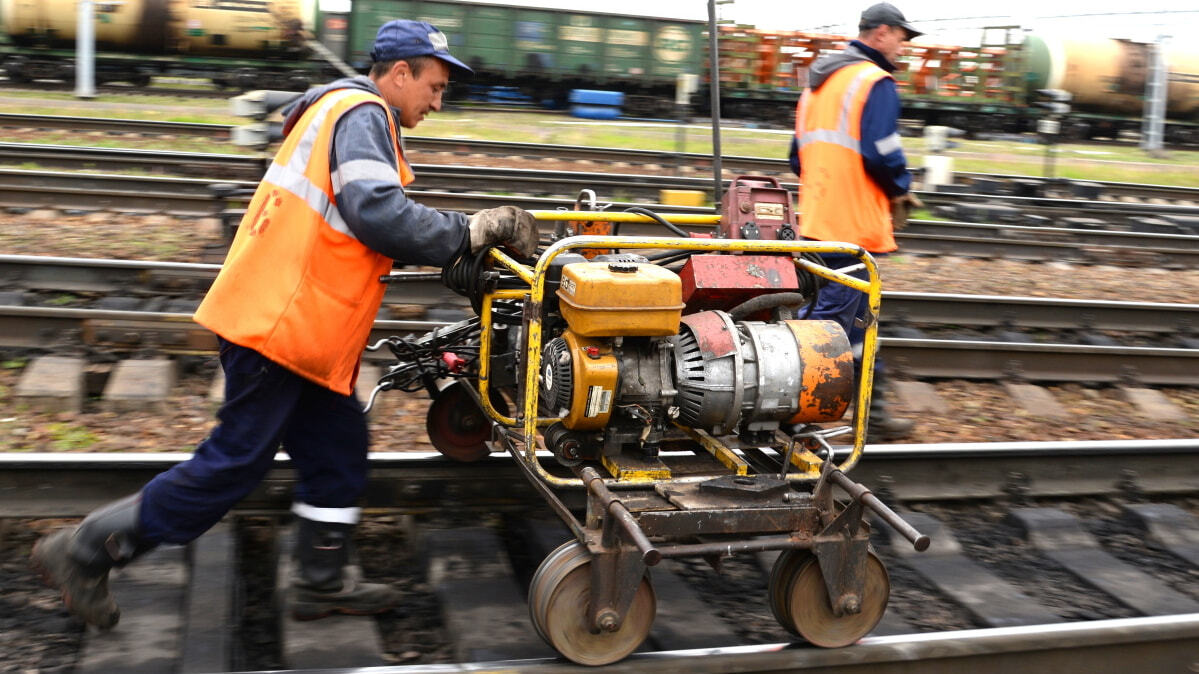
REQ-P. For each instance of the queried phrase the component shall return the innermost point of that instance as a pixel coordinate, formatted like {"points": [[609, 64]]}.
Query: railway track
{"points": [[96, 278], [23, 190], [131, 305], [992, 593], [1038, 198], [1006, 208], [1121, 474], [977, 359], [978, 184]]}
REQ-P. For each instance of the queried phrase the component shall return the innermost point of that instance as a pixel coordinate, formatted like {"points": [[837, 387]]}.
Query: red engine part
{"points": [[757, 207], [724, 281]]}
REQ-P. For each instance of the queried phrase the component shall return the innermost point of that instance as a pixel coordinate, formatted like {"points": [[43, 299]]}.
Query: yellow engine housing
{"points": [[620, 299], [595, 380]]}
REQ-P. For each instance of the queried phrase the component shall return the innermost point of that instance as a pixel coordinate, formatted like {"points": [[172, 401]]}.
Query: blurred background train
{"points": [[540, 55]]}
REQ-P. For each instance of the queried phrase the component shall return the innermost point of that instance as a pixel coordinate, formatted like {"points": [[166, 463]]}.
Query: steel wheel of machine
{"points": [[551, 562], [559, 597], [459, 428], [807, 605], [784, 569]]}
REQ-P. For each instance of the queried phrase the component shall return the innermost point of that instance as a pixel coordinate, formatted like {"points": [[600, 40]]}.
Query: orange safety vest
{"points": [[297, 286], [839, 201]]}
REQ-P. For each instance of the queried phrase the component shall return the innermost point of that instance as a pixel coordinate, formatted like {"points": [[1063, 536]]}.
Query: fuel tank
{"points": [[202, 27]]}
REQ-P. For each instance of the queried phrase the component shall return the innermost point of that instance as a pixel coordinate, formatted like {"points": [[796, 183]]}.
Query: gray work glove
{"points": [[504, 225], [901, 206]]}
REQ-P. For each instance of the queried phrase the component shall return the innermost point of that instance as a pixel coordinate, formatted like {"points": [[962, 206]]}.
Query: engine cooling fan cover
{"points": [[557, 380]]}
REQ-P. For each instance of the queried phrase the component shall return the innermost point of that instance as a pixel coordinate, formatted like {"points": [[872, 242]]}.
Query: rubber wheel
{"points": [[457, 426]]}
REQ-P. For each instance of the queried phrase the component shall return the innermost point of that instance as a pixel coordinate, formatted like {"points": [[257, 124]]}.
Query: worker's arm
{"points": [[373, 203], [882, 152]]}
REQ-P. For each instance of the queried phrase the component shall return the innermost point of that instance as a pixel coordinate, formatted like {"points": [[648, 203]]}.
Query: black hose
{"points": [[464, 276], [659, 219], [671, 256], [763, 302]]}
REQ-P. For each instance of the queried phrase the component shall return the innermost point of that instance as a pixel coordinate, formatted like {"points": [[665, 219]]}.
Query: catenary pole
{"points": [[85, 52]]}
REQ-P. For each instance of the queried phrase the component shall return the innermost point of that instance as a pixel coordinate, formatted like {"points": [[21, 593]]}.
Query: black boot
{"points": [[76, 560], [883, 425], [322, 586]]}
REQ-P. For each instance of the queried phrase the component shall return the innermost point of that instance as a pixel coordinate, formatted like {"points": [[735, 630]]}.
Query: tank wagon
{"points": [[249, 42], [1107, 79]]}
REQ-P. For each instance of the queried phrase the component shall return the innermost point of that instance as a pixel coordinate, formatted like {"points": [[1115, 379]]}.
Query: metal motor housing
{"points": [[752, 376], [718, 375]]}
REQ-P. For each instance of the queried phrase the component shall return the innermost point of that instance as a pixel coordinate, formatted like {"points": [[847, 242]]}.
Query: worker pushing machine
{"points": [[293, 307], [855, 180]]}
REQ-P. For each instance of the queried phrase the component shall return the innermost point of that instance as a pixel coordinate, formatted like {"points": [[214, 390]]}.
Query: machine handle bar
{"points": [[863, 495]]}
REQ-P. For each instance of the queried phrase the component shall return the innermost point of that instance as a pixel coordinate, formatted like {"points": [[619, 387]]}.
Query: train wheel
{"points": [[457, 426], [559, 599], [807, 605], [781, 574]]}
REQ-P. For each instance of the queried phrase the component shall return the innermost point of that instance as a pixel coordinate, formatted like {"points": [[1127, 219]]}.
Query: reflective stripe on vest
{"points": [[838, 200], [297, 286]]}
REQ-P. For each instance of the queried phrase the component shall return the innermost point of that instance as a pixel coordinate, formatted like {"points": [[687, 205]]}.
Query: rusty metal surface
{"points": [[723, 281]]}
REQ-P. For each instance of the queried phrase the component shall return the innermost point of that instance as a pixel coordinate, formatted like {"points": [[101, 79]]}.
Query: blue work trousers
{"points": [[840, 303], [266, 405]]}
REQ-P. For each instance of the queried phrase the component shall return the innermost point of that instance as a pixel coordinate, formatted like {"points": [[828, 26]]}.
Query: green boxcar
{"points": [[512, 44]]}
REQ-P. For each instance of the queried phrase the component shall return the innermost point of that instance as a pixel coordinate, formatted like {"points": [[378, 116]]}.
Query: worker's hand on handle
{"points": [[504, 225], [901, 206]]}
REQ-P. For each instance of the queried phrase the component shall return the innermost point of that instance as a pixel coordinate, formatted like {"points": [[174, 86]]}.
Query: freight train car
{"points": [[1108, 78], [544, 52], [989, 87], [257, 43]]}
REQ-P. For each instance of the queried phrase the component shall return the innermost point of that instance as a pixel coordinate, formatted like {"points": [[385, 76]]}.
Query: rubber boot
{"points": [[322, 586], [76, 560], [883, 425]]}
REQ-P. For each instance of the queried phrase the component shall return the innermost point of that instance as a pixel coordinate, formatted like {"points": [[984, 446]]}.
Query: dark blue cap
{"points": [[886, 14], [401, 39]]}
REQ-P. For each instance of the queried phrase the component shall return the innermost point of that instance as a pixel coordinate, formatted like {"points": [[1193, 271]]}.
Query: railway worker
{"points": [[854, 175], [293, 306]]}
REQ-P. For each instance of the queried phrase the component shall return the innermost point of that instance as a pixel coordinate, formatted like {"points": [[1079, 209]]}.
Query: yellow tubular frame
{"points": [[535, 295]]}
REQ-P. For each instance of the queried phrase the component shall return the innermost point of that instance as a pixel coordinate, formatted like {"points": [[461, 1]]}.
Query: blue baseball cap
{"points": [[401, 39]]}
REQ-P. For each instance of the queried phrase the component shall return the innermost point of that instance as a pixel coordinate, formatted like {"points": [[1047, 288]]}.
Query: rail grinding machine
{"points": [[676, 383]]}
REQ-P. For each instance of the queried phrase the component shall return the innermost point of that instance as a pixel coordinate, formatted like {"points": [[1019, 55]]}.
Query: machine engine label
{"points": [[768, 211], [568, 286], [599, 401]]}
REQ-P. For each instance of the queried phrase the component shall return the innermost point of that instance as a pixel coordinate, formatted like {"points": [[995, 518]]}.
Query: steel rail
{"points": [[114, 125], [992, 361], [1153, 644], [78, 157], [71, 484], [170, 333], [141, 277], [483, 178]]}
